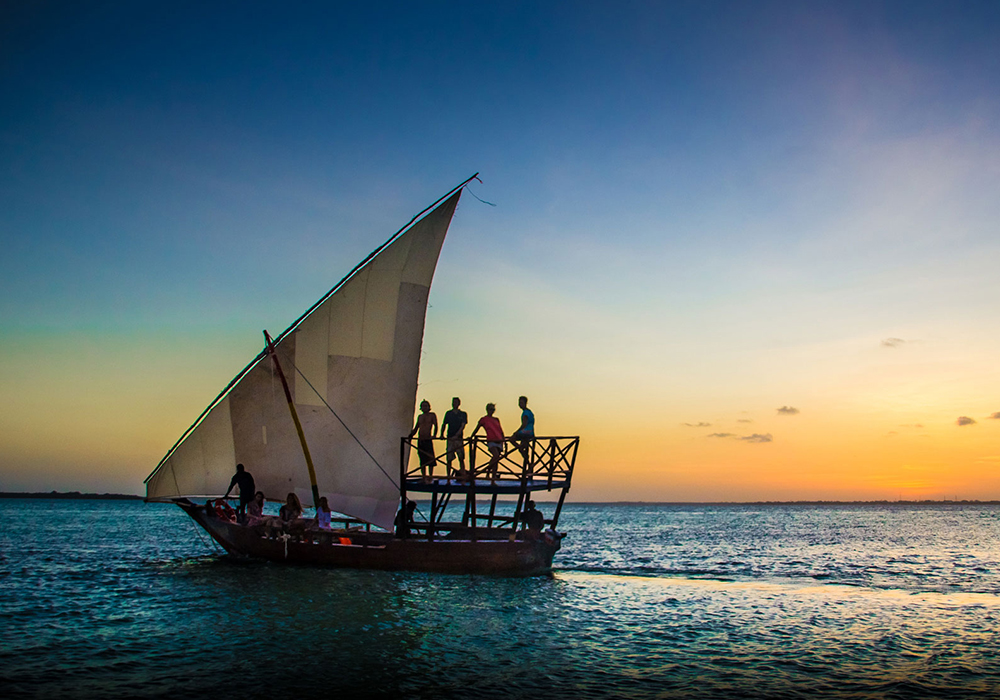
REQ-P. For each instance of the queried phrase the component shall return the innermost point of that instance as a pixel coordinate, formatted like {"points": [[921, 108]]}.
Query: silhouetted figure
{"points": [[426, 431], [523, 436], [454, 424], [494, 439], [403, 519], [533, 521], [244, 480]]}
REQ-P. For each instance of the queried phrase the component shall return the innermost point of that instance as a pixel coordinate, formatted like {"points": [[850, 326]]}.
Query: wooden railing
{"points": [[547, 458]]}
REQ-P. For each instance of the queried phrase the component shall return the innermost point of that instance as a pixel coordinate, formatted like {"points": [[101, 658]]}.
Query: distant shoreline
{"points": [[76, 495], [966, 502]]}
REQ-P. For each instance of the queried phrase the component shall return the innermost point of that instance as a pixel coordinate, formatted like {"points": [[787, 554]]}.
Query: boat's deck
{"points": [[483, 486]]}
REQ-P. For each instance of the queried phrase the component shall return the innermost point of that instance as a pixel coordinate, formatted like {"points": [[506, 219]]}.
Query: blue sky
{"points": [[702, 208]]}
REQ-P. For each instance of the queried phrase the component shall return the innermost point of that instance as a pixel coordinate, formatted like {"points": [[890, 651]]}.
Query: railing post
{"points": [[552, 460], [402, 477], [430, 521]]}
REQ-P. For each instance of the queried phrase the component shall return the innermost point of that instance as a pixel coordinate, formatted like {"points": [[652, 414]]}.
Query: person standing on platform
{"points": [[454, 424], [525, 435], [244, 480], [426, 430], [494, 439]]}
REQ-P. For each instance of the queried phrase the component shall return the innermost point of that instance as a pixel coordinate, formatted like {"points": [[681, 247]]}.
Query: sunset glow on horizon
{"points": [[746, 252]]}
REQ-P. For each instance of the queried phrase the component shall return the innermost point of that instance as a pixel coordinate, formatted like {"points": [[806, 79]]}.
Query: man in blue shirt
{"points": [[454, 424], [525, 435]]}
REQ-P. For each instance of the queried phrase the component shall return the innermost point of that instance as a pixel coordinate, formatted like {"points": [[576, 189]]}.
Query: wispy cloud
{"points": [[698, 425], [892, 342], [788, 411], [744, 420], [996, 416], [756, 437], [965, 420]]}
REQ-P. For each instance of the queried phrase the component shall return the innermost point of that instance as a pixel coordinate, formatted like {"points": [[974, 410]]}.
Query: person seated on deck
{"points": [[525, 435], [323, 514], [426, 431], [494, 439], [403, 519], [255, 511], [291, 511], [210, 509], [533, 521]]}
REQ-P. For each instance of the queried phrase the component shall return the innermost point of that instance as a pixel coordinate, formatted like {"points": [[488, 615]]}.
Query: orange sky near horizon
{"points": [[726, 210]]}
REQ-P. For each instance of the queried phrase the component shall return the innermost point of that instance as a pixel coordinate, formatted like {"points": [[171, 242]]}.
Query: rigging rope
{"points": [[467, 189], [349, 431]]}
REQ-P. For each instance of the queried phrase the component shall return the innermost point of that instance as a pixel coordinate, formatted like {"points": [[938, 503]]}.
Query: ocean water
{"points": [[114, 599]]}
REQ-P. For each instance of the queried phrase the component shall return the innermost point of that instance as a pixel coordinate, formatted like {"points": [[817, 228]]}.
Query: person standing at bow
{"points": [[244, 480]]}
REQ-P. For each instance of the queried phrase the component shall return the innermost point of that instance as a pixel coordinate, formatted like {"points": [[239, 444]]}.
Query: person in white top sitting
{"points": [[323, 514]]}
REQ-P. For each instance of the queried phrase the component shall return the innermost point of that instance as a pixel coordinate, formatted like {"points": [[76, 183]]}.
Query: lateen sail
{"points": [[357, 352]]}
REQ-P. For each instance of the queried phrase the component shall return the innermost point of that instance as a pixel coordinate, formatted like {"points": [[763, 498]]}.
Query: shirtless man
{"points": [[426, 430]]}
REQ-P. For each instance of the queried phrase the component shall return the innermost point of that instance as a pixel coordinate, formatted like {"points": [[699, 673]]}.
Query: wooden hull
{"points": [[371, 550]]}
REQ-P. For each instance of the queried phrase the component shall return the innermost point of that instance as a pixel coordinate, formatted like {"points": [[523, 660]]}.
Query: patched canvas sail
{"points": [[352, 364]]}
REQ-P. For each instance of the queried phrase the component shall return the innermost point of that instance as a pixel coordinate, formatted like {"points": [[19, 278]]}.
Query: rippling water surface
{"points": [[121, 599]]}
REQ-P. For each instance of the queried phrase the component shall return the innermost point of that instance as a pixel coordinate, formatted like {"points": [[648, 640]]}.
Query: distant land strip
{"points": [[74, 495], [927, 502]]}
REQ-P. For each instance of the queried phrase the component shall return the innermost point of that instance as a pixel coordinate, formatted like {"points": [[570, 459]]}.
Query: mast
{"points": [[295, 417]]}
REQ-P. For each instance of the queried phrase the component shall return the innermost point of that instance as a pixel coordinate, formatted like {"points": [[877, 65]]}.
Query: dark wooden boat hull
{"points": [[372, 550]]}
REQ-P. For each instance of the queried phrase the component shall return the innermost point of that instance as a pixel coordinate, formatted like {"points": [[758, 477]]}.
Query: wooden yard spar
{"points": [[295, 418]]}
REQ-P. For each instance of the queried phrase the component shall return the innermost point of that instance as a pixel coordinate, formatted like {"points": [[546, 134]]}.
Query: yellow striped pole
{"points": [[295, 417]]}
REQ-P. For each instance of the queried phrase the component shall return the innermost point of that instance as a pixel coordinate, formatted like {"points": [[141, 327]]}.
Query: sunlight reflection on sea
{"points": [[121, 599]]}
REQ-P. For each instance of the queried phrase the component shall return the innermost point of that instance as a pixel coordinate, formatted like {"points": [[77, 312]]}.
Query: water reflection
{"points": [[122, 600]]}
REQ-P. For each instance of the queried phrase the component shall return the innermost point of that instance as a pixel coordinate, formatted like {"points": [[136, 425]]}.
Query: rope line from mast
{"points": [[349, 431]]}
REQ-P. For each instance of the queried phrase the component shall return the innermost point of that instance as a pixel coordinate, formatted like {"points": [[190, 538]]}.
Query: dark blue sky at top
{"points": [[187, 142]]}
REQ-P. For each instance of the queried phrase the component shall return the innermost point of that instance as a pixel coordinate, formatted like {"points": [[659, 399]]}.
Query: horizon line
{"points": [[926, 501]]}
